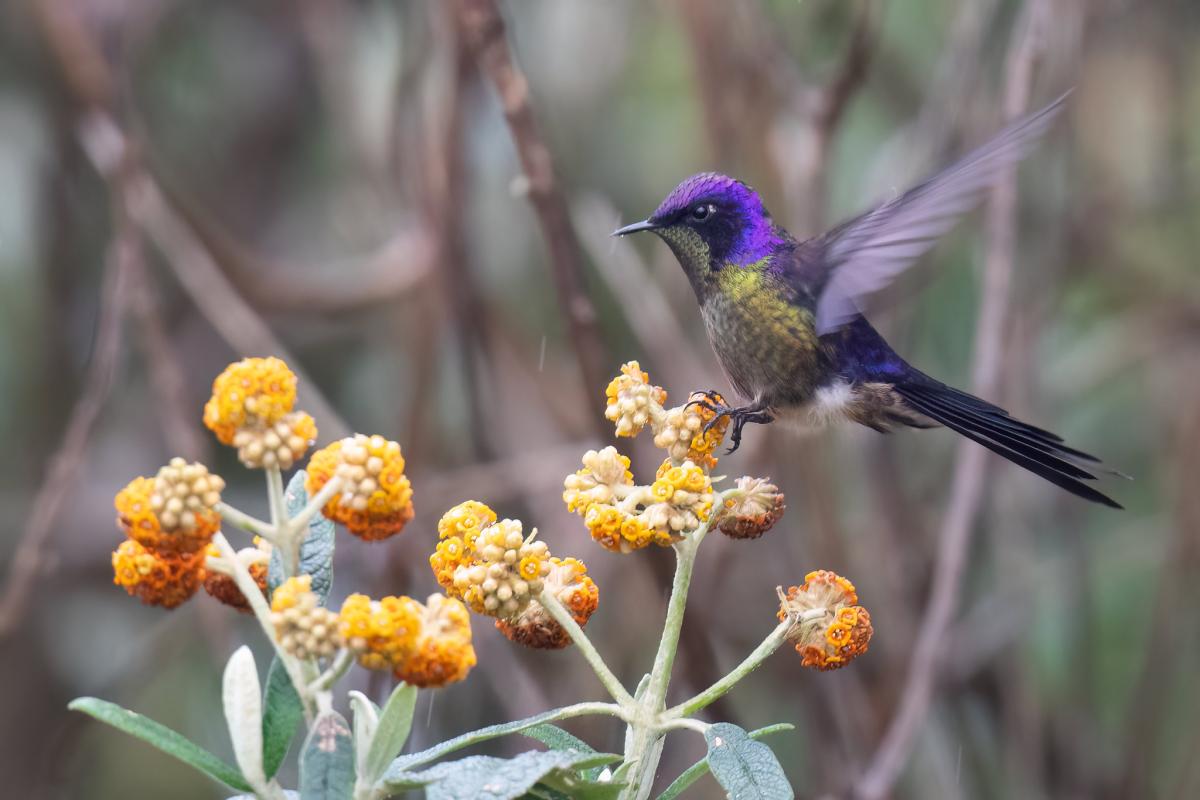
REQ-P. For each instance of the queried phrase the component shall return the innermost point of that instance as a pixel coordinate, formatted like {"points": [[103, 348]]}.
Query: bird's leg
{"points": [[756, 412]]}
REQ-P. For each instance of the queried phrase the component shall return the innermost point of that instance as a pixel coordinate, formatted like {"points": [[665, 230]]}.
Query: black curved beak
{"points": [[644, 225]]}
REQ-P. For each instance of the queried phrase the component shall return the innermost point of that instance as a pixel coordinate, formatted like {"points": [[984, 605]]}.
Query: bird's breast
{"points": [[767, 345]]}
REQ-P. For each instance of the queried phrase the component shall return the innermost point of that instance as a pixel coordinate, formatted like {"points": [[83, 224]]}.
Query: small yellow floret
{"points": [[383, 633], [249, 393], [829, 628], [162, 579], [443, 653]]}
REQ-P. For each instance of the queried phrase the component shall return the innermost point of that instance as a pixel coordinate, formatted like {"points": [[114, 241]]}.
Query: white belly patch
{"points": [[829, 404]]}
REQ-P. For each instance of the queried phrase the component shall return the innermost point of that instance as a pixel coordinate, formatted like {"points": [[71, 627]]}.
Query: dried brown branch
{"points": [[183, 434], [966, 492], [136, 193], [484, 28], [27, 562]]}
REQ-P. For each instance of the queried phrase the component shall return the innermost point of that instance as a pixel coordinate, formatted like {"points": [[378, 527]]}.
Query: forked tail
{"points": [[1039, 451]]}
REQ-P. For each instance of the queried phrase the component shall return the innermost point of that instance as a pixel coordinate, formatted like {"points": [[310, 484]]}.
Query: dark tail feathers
{"points": [[1039, 451]]}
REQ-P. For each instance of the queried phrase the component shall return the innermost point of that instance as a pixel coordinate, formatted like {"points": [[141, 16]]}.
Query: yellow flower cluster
{"points": [[443, 652], [632, 403], [504, 573], [382, 632], [754, 511], [161, 579], [303, 627], [169, 521], [624, 517], [569, 583], [829, 628], [375, 497], [251, 409], [221, 585], [458, 530]]}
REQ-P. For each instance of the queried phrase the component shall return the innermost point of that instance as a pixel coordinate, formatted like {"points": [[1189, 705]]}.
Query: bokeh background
{"points": [[183, 183]]}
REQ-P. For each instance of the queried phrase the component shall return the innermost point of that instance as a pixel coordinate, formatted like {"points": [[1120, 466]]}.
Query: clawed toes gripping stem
{"points": [[713, 402]]}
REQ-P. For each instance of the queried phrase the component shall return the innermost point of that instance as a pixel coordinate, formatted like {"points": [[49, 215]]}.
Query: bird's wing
{"points": [[865, 254]]}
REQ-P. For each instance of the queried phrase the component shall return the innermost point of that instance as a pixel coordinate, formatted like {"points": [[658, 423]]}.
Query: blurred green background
{"points": [[344, 173]]}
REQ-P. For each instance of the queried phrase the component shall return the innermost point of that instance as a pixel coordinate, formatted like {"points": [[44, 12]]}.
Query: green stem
{"points": [[245, 522], [298, 524], [588, 650], [341, 662], [721, 687], [287, 542], [262, 612]]}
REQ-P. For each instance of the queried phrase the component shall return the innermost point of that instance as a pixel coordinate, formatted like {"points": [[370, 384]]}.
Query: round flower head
{"points": [[443, 652], [303, 627], [505, 573], [157, 578], [277, 445], [604, 477], [569, 583], [221, 585], [754, 512], [252, 393], [458, 530], [682, 433], [829, 627], [375, 500], [382, 632], [631, 401], [682, 498], [174, 511]]}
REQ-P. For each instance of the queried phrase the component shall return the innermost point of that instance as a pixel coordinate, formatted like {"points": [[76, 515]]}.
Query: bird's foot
{"points": [[713, 402]]}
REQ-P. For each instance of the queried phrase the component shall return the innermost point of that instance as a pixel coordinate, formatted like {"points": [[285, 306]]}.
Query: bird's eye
{"points": [[702, 211]]}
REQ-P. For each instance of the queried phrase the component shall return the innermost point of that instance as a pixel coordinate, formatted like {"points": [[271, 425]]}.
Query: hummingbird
{"points": [[784, 316]]}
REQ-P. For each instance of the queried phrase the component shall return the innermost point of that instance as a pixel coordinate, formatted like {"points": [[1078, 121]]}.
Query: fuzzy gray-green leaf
{"points": [[282, 713], [162, 737], [746, 769], [488, 778], [395, 722], [327, 761]]}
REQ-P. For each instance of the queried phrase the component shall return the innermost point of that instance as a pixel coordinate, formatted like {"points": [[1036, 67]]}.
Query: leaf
{"points": [[162, 737], [746, 769], [404, 764], [576, 787], [556, 738], [282, 713], [488, 778], [700, 768], [366, 721], [241, 698], [392, 732], [316, 552], [327, 761]]}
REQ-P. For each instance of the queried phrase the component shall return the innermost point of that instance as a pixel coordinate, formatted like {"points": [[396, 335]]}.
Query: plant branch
{"points": [[245, 522], [299, 523], [341, 662], [587, 649], [483, 26], [262, 612], [748, 665], [967, 489]]}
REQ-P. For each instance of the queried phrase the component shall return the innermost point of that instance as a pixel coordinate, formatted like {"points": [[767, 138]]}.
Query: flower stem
{"points": [[244, 521], [337, 669], [721, 687], [262, 612], [587, 649], [299, 523]]}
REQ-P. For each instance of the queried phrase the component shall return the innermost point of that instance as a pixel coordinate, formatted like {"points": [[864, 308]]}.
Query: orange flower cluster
{"points": [[169, 521], [569, 583], [375, 500], [251, 408], [426, 645], [829, 627]]}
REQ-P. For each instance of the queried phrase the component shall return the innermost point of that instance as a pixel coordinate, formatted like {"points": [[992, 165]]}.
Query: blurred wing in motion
{"points": [[867, 253]]}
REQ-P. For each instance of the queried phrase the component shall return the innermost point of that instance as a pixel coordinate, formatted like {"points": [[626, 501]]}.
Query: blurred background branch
{"points": [[334, 183]]}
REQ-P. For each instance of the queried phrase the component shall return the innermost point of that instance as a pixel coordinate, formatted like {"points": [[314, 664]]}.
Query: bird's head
{"points": [[712, 222]]}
